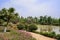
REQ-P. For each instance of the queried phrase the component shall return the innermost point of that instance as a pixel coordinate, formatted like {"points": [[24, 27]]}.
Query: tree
{"points": [[41, 20], [7, 15], [55, 21], [1, 18], [45, 20], [49, 20], [59, 21], [4, 15], [35, 20], [30, 19], [15, 19]]}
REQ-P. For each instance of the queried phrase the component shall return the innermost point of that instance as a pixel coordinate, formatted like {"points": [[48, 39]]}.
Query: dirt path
{"points": [[40, 37]]}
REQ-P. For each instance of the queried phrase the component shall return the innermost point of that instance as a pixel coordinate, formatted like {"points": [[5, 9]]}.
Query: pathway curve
{"points": [[40, 37]]}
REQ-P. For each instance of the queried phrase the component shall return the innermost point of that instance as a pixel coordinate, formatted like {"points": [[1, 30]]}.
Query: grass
{"points": [[16, 35]]}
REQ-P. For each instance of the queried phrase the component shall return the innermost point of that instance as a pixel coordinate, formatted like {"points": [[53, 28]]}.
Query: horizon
{"points": [[33, 8]]}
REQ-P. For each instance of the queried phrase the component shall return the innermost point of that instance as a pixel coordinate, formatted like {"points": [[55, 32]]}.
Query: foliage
{"points": [[59, 21], [58, 36], [20, 26], [44, 20], [7, 15], [27, 27], [49, 19], [32, 27], [48, 34]]}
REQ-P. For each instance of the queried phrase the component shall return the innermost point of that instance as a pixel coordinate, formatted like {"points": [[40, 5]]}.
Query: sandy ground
{"points": [[40, 37]]}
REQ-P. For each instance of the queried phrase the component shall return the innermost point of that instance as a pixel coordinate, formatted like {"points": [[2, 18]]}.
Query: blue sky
{"points": [[33, 7]]}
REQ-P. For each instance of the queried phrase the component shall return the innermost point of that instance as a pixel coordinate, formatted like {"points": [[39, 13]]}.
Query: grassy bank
{"points": [[16, 35]]}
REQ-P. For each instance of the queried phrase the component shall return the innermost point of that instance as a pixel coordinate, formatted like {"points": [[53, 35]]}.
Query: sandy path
{"points": [[40, 37]]}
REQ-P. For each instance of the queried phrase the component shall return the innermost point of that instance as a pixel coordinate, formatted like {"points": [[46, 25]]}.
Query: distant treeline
{"points": [[43, 20], [9, 15]]}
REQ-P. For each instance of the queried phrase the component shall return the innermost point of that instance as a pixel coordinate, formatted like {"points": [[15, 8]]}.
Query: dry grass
{"points": [[16, 35]]}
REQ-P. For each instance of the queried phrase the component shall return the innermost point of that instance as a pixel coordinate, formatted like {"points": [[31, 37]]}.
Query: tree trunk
{"points": [[5, 29]]}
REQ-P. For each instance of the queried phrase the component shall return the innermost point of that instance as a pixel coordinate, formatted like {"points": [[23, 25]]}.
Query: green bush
{"points": [[48, 34], [26, 27], [20, 26], [36, 32], [58, 36], [32, 27], [52, 34], [44, 33]]}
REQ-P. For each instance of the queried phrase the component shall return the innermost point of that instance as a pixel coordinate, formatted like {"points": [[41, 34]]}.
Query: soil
{"points": [[41, 37]]}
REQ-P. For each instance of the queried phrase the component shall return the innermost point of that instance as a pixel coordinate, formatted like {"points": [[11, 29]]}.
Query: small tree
{"points": [[7, 15]]}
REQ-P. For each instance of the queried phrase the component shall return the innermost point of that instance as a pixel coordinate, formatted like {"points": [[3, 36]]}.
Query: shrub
{"points": [[32, 27], [48, 34], [58, 36], [52, 34], [44, 33], [20, 26], [26, 27]]}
